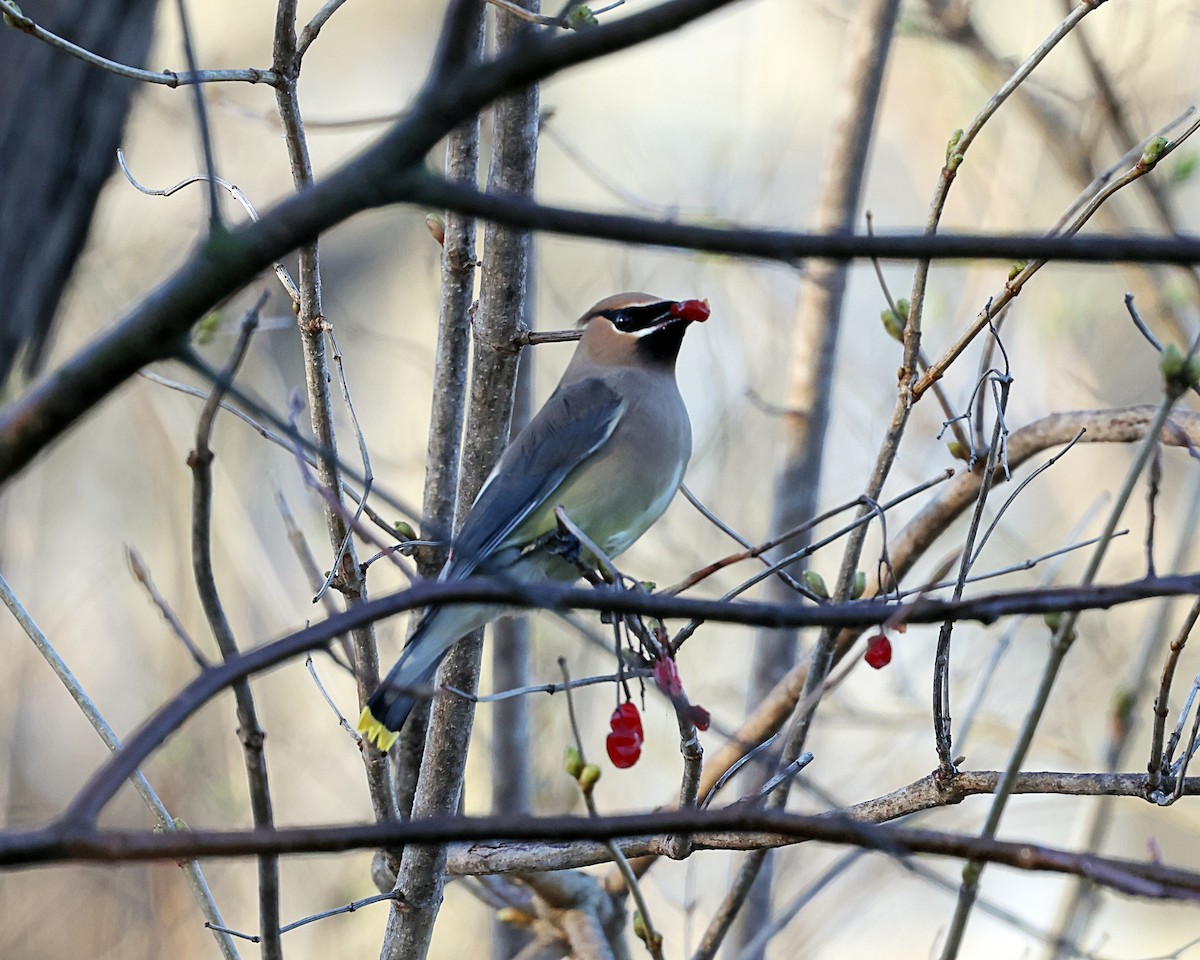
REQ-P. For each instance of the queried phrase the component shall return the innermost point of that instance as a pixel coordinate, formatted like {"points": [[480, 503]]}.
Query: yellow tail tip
{"points": [[375, 731]]}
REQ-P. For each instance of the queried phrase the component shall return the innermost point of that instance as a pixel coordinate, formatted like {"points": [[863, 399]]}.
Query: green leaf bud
{"points": [[588, 777], [207, 328], [893, 323], [404, 530], [952, 145], [816, 583], [580, 17], [1154, 151], [573, 761]]}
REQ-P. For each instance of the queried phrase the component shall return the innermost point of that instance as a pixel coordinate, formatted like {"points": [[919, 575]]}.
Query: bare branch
{"points": [[101, 787], [502, 305], [171, 78], [1152, 156], [385, 174], [313, 27], [249, 730], [1063, 630], [734, 828], [141, 574]]}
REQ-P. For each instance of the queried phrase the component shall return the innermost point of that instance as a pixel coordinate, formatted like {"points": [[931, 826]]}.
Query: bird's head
{"points": [[639, 328]]}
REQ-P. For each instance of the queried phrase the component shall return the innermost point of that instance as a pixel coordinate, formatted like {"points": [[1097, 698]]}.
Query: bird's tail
{"points": [[391, 703], [398, 692]]}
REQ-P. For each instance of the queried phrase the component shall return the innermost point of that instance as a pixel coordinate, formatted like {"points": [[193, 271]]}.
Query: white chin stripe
{"points": [[654, 328]]}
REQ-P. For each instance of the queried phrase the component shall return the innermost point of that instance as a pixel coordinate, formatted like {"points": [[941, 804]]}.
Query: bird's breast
{"points": [[618, 493]]}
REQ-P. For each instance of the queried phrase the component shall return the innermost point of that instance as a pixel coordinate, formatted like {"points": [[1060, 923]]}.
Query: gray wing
{"points": [[574, 423]]}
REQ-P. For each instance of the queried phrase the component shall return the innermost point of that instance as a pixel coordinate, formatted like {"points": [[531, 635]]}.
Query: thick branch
{"points": [[739, 828], [155, 329]]}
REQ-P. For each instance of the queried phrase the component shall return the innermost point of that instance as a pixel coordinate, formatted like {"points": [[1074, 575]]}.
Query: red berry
{"points": [[696, 310], [879, 651], [626, 717], [624, 743], [624, 747]]}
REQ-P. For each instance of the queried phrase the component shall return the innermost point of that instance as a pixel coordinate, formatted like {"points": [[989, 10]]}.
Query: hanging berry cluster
{"points": [[625, 738]]}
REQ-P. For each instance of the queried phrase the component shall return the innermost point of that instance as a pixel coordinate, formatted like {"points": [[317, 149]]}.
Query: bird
{"points": [[609, 447]]}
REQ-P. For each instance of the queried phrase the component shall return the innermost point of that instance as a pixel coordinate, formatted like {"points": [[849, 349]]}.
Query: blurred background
{"points": [[727, 120]]}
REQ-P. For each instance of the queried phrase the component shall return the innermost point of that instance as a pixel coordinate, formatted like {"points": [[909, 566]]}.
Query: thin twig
{"points": [[745, 758], [1063, 637], [653, 938], [987, 675], [345, 572], [165, 822], [290, 441], [1004, 571], [308, 562], [784, 776], [232, 189], [1138, 322], [249, 730], [551, 688], [941, 661], [955, 154], [1145, 331], [364, 455], [1154, 478], [755, 946], [323, 915], [393, 552], [1038, 471], [215, 224], [610, 184], [1158, 759], [1189, 701], [1179, 768], [952, 421], [313, 27], [141, 574], [341, 719], [775, 567], [170, 78], [1016, 283]]}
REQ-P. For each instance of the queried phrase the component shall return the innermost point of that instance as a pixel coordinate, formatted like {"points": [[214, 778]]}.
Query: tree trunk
{"points": [[61, 121]]}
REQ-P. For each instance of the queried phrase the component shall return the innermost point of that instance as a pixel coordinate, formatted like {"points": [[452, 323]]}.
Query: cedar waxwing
{"points": [[610, 446]]}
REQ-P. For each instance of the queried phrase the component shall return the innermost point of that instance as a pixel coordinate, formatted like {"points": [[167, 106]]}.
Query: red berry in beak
{"points": [[692, 310]]}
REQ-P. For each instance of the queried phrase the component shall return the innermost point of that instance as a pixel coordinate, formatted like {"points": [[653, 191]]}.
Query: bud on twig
{"points": [[572, 761], [816, 583], [437, 228]]}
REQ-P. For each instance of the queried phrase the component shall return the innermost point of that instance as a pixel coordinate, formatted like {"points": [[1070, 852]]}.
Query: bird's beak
{"points": [[689, 311]]}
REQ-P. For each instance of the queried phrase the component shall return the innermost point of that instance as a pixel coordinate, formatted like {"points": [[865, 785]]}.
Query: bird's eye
{"points": [[633, 319]]}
